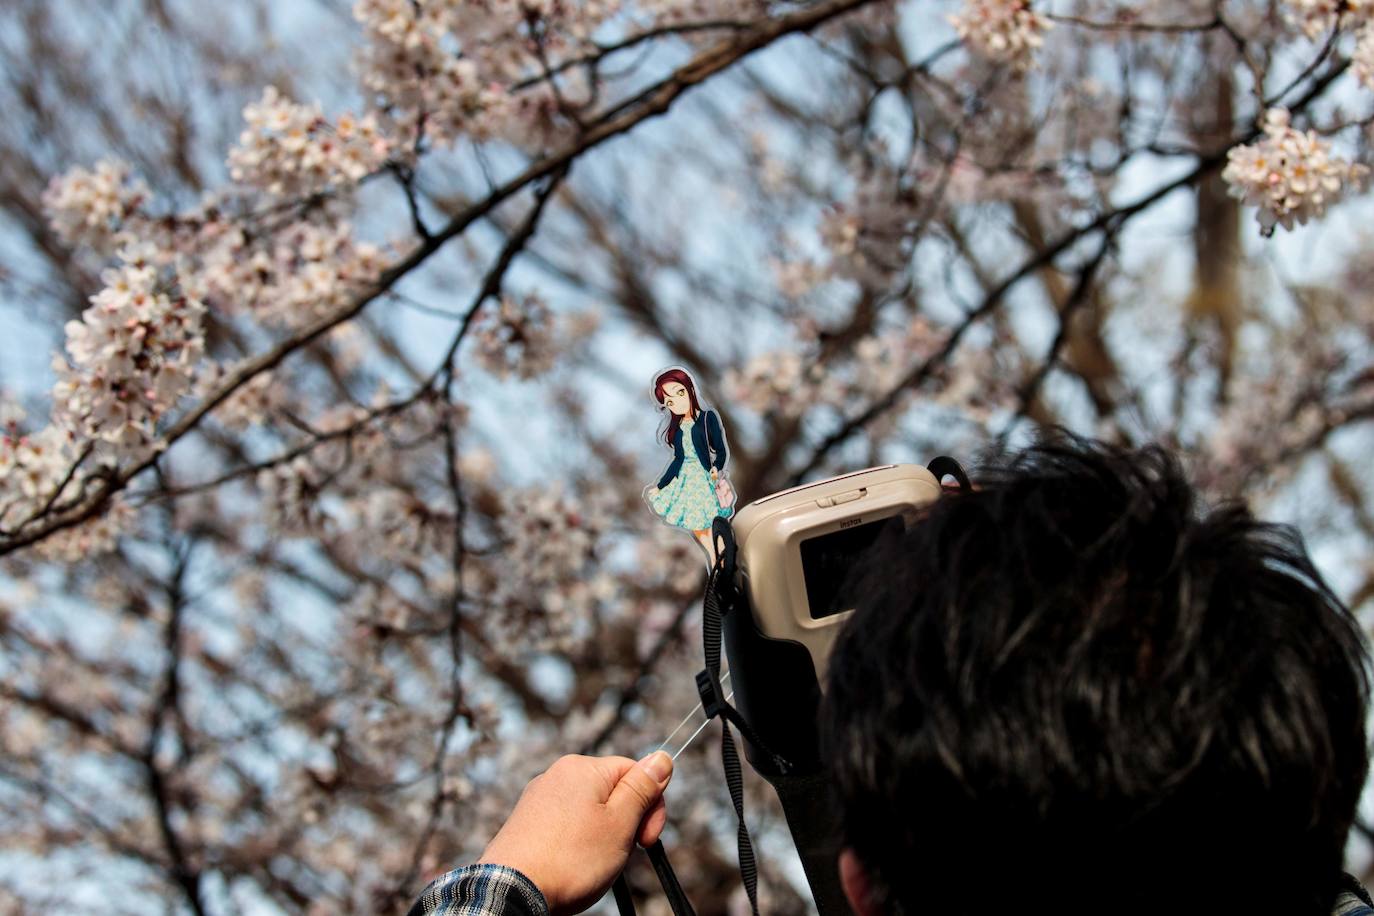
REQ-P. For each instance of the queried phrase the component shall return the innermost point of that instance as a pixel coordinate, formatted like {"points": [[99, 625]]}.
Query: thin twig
{"points": [[1077, 298]]}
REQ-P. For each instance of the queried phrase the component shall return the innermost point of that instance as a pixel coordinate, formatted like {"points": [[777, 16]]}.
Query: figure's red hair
{"points": [[682, 378]]}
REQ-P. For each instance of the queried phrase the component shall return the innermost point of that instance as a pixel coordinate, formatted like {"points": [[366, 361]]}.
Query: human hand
{"points": [[573, 828]]}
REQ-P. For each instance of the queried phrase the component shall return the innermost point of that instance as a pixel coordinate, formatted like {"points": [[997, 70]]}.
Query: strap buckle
{"points": [[708, 689]]}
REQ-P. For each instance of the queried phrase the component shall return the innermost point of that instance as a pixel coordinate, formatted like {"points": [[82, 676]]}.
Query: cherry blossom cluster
{"points": [[89, 206], [32, 466], [288, 277], [291, 496], [1243, 436], [969, 182], [288, 148], [284, 273], [780, 382], [869, 234], [789, 382], [434, 64], [554, 571], [132, 355], [39, 470], [516, 338], [1317, 17], [369, 488], [1003, 31], [1362, 58], [251, 404], [446, 69], [671, 12], [796, 279], [1304, 379], [882, 360], [522, 338], [1291, 175], [404, 525], [91, 537]]}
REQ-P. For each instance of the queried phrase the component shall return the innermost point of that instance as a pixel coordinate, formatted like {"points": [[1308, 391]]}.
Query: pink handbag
{"points": [[725, 494]]}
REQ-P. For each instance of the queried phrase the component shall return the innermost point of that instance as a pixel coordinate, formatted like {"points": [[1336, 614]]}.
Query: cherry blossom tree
{"points": [[320, 514]]}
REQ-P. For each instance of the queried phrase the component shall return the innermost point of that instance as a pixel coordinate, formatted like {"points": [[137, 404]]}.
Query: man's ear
{"points": [[854, 880]]}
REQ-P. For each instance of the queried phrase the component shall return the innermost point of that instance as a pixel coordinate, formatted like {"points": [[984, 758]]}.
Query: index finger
{"points": [[651, 828]]}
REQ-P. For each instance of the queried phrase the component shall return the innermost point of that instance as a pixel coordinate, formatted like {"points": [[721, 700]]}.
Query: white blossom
{"points": [[400, 525], [553, 566], [411, 60], [32, 466], [1362, 59], [41, 469], [516, 337], [1317, 17], [288, 148], [1290, 175], [132, 355], [791, 381], [89, 207], [288, 278], [477, 466], [1004, 31], [523, 338], [291, 497], [869, 234], [784, 382], [251, 403], [796, 279]]}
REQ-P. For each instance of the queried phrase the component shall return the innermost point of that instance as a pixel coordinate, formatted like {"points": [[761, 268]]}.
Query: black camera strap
{"points": [[721, 598], [721, 587], [677, 898]]}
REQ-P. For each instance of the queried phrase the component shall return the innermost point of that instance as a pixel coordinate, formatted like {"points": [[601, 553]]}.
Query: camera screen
{"points": [[827, 561]]}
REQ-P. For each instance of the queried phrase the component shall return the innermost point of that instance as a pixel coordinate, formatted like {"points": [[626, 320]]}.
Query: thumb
{"points": [[640, 787]]}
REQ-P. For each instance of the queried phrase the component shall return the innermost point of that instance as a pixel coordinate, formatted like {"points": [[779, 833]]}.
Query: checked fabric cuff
{"points": [[481, 890]]}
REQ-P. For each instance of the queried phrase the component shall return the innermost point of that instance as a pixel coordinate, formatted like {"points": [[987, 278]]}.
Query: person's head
{"points": [[1074, 691], [675, 390]]}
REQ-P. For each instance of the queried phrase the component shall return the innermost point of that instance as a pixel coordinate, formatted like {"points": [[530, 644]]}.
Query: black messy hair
{"points": [[1071, 691]]}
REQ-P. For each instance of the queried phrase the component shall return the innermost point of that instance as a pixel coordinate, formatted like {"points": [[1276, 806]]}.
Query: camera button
{"points": [[826, 502], [846, 497]]}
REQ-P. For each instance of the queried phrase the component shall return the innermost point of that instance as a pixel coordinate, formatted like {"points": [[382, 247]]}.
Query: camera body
{"points": [[786, 559], [796, 548], [793, 553]]}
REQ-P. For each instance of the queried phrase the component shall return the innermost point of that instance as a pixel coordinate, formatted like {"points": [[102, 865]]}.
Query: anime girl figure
{"points": [[692, 490]]}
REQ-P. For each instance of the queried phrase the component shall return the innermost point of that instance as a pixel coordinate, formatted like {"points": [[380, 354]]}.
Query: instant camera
{"points": [[788, 557]]}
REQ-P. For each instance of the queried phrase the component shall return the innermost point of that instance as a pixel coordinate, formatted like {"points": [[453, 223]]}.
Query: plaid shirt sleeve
{"points": [[481, 890], [1347, 904]]}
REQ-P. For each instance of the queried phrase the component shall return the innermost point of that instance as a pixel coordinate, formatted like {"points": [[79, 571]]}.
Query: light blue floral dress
{"points": [[689, 500]]}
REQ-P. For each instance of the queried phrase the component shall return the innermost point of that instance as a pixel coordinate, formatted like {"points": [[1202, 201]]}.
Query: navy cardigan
{"points": [[707, 439]]}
